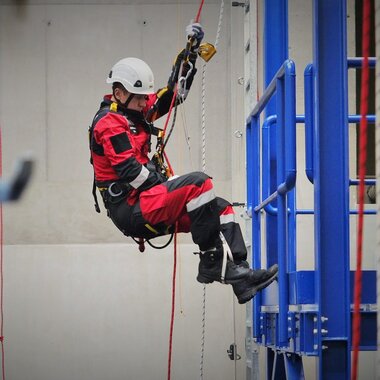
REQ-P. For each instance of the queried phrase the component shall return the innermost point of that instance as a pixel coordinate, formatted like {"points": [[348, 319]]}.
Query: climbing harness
{"points": [[117, 189]]}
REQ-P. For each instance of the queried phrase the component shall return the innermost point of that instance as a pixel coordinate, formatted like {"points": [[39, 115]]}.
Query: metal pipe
{"points": [[269, 91], [357, 62], [309, 121]]}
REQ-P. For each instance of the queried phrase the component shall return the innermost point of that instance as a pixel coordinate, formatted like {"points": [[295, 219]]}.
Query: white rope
{"points": [[203, 134], [186, 133], [203, 93], [234, 333], [203, 332]]}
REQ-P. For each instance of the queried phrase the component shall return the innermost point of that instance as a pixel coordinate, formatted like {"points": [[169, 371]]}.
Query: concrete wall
{"points": [[80, 301]]}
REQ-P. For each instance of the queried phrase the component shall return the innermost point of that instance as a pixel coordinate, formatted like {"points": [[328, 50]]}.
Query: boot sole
{"points": [[248, 295], [206, 280]]}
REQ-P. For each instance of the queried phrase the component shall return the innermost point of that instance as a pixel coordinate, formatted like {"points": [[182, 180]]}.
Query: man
{"points": [[141, 201]]}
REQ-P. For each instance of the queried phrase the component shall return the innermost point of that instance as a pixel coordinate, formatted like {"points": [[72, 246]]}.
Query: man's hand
{"points": [[195, 32]]}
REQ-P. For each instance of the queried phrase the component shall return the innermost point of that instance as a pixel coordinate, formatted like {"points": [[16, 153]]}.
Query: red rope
{"points": [[175, 233], [170, 109], [166, 126], [1, 272], [173, 306], [362, 173], [199, 11]]}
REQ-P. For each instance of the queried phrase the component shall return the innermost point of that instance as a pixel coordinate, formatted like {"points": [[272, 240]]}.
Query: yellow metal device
{"points": [[206, 51]]}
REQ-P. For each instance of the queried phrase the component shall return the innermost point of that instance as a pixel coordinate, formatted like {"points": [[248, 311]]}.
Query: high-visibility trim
{"points": [[113, 107], [141, 178], [150, 228], [224, 219], [201, 200], [227, 255]]}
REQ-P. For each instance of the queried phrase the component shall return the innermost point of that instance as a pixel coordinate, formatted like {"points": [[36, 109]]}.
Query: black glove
{"points": [[173, 79]]}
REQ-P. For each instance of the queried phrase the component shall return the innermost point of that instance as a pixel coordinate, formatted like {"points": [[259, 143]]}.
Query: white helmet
{"points": [[134, 74]]}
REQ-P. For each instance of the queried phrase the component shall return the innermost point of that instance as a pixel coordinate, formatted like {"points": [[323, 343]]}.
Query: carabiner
{"points": [[181, 89]]}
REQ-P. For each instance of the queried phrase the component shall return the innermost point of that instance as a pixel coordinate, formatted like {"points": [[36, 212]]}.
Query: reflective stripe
{"points": [[201, 200], [224, 219], [141, 178], [227, 254]]}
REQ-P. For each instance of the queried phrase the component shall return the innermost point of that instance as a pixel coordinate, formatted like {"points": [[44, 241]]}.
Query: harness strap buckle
{"points": [[115, 193]]}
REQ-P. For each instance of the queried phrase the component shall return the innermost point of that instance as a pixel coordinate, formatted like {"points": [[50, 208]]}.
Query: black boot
{"points": [[257, 280], [211, 268]]}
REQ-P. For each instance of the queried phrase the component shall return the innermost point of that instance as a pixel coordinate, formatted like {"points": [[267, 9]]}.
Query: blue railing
{"points": [[281, 202], [283, 87], [309, 126]]}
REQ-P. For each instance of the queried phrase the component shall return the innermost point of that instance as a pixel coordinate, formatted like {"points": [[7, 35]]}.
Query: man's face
{"points": [[137, 103]]}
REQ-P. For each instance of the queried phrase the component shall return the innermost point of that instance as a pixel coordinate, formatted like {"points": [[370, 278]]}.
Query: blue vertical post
{"points": [[282, 333], [253, 198], [275, 54], [331, 189], [291, 162]]}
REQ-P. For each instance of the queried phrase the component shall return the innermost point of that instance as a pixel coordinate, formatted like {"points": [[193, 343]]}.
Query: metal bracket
{"points": [[232, 352]]}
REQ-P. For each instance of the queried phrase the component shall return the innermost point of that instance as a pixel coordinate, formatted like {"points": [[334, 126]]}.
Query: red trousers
{"points": [[188, 202]]}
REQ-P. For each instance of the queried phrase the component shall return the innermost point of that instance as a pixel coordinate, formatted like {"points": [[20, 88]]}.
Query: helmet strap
{"points": [[123, 105], [130, 97]]}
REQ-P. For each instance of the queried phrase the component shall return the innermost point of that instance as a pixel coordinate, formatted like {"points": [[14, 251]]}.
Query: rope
{"points": [[173, 306], [234, 327], [377, 28], [203, 138], [1, 270], [362, 172], [175, 234], [199, 11]]}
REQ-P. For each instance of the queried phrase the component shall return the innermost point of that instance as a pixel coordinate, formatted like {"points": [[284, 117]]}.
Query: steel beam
{"points": [[331, 189]]}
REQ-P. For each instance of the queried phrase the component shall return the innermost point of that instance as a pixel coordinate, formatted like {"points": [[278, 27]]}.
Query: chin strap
{"points": [[126, 104]]}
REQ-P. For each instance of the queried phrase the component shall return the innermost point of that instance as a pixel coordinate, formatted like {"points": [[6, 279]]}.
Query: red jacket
{"points": [[120, 143]]}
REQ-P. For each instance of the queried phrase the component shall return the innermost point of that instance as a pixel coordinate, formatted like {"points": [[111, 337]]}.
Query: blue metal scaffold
{"points": [[306, 313]]}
